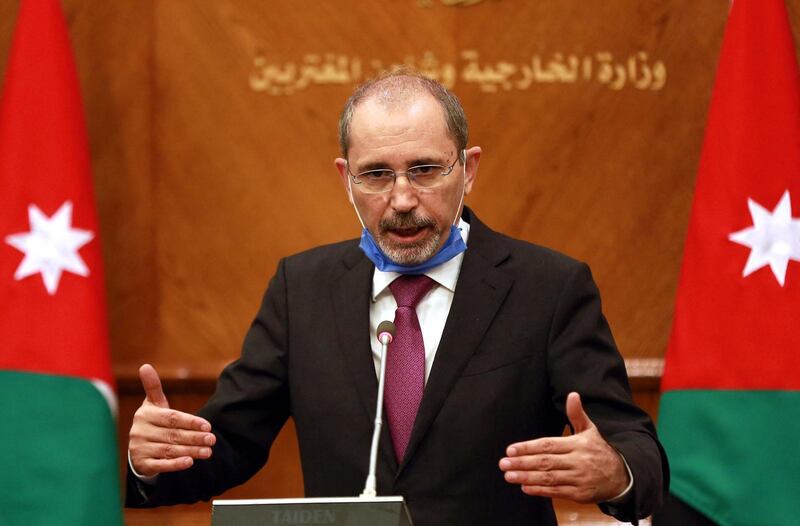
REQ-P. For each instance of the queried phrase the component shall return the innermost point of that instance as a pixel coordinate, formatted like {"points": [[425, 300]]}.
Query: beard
{"points": [[411, 253]]}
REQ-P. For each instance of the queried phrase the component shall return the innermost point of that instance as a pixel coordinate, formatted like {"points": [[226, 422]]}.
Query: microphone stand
{"points": [[385, 334]]}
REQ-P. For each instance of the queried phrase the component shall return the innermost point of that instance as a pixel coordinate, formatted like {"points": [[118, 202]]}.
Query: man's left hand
{"points": [[582, 467]]}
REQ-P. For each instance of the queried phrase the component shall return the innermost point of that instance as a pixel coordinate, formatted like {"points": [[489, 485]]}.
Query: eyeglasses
{"points": [[382, 180]]}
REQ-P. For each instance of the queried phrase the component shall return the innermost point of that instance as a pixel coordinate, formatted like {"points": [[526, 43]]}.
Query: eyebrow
{"points": [[426, 160], [376, 165], [380, 165]]}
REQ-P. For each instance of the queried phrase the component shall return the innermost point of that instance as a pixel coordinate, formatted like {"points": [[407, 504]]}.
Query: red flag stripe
{"points": [[44, 162], [730, 331]]}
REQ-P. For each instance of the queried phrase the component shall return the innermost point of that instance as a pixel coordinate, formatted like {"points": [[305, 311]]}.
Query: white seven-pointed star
{"points": [[51, 246], [773, 239]]}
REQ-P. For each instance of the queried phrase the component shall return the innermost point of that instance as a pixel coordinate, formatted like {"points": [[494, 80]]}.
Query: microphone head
{"points": [[386, 330]]}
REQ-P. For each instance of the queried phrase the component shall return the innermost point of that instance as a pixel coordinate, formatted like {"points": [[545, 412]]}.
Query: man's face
{"points": [[409, 224]]}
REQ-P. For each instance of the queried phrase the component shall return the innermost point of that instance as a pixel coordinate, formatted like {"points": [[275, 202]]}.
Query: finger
{"points": [[541, 478], [149, 467], [170, 418], [180, 437], [547, 445], [541, 462], [157, 451], [152, 386], [577, 416], [147, 432]]}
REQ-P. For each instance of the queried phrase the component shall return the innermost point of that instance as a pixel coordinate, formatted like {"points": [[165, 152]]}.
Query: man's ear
{"points": [[471, 171], [341, 166]]}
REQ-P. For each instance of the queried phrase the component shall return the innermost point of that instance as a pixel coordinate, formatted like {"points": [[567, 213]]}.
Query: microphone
{"points": [[385, 333], [386, 330]]}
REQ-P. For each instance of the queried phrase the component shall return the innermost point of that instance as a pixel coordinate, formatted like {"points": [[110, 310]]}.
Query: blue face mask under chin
{"points": [[453, 246]]}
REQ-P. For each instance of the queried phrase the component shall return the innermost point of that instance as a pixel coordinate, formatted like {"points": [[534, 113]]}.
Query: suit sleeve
{"points": [[584, 358], [247, 411]]}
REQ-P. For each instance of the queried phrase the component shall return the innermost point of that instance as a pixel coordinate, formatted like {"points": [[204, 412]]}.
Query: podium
{"points": [[341, 511]]}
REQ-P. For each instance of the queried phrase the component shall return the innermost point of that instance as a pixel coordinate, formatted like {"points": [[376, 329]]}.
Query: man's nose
{"points": [[403, 196]]}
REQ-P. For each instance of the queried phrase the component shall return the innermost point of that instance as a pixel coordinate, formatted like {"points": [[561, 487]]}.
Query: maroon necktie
{"points": [[405, 361]]}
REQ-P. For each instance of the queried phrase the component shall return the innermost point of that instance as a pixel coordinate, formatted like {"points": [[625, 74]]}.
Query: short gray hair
{"points": [[400, 85]]}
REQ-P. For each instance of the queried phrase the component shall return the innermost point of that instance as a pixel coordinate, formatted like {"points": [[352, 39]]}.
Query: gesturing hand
{"points": [[582, 467], [162, 439]]}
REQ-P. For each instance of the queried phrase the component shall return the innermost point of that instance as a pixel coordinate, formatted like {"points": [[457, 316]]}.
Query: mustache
{"points": [[405, 221]]}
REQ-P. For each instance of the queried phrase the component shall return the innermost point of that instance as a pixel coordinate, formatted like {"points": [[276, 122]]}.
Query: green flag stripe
{"points": [[733, 454], [57, 453]]}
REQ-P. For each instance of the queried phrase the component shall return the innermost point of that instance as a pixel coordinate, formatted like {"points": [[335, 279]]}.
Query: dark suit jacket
{"points": [[525, 328]]}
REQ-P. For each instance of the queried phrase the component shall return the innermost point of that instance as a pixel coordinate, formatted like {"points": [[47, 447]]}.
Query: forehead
{"points": [[409, 126]]}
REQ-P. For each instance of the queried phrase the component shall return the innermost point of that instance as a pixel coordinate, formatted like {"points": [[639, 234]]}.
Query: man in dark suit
{"points": [[510, 339]]}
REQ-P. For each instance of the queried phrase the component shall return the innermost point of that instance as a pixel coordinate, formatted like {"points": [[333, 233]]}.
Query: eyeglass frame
{"points": [[462, 156]]}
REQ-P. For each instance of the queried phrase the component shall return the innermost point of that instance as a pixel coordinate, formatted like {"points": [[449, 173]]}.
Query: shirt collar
{"points": [[445, 274]]}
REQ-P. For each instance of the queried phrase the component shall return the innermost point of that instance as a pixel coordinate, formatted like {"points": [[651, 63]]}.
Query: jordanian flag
{"points": [[58, 458], [730, 408]]}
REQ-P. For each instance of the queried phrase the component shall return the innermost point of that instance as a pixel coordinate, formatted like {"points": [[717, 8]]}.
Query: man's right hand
{"points": [[163, 439]]}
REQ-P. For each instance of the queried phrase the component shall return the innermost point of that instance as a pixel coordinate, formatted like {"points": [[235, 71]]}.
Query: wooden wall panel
{"points": [[603, 175], [112, 43], [244, 177]]}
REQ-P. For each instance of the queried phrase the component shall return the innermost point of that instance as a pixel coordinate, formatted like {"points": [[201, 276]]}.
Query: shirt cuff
{"points": [[151, 480], [619, 498]]}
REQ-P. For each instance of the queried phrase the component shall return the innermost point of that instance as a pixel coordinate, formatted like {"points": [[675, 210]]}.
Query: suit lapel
{"points": [[480, 290], [351, 312]]}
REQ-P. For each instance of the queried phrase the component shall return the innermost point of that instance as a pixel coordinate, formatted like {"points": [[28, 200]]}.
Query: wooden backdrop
{"points": [[213, 132]]}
